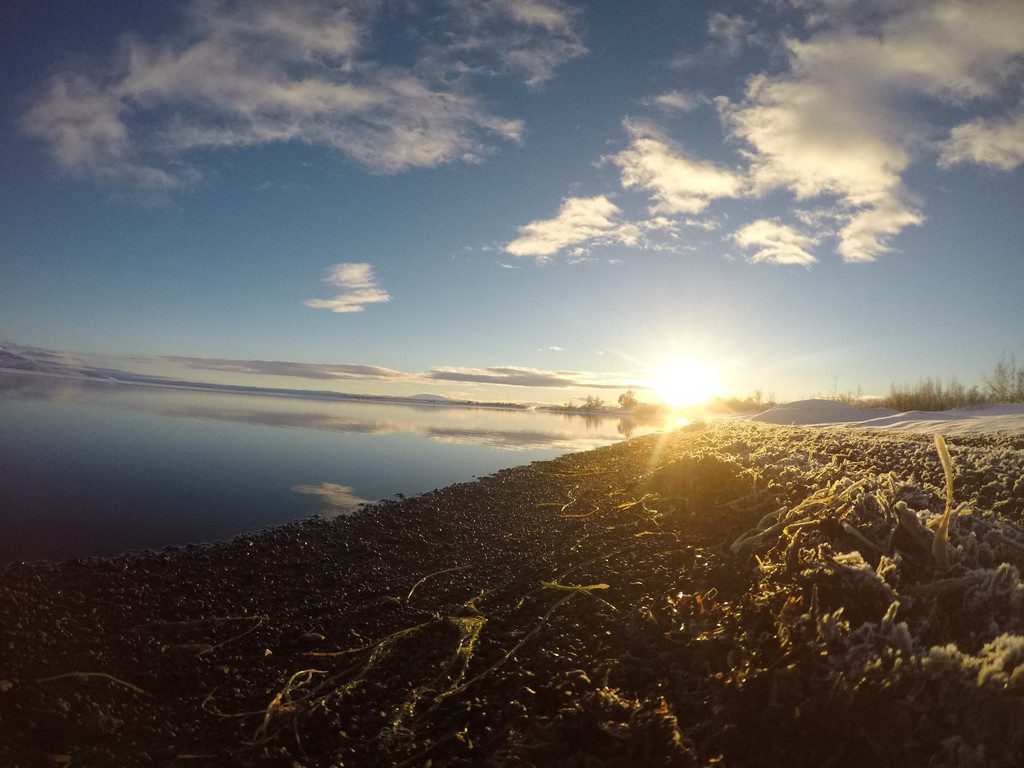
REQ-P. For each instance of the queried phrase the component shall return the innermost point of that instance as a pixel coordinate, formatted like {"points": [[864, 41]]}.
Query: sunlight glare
{"points": [[686, 381]]}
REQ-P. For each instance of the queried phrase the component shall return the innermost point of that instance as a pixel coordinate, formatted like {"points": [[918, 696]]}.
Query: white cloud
{"points": [[359, 289], [825, 131], [553, 16], [956, 49], [677, 100], [776, 243], [261, 72], [708, 225], [839, 121], [732, 31], [869, 230], [863, 94], [516, 376], [544, 34], [579, 220], [821, 221], [678, 184], [998, 144], [580, 255], [321, 371], [82, 123], [815, 131], [805, 139]]}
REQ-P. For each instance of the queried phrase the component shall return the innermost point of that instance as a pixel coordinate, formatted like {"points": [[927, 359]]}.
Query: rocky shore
{"points": [[726, 594]]}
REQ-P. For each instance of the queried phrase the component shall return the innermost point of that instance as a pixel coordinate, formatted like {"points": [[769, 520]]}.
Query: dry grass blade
{"points": [[636, 502], [516, 648], [940, 547], [436, 573], [371, 646], [85, 675], [285, 703], [202, 648], [586, 590], [573, 588]]}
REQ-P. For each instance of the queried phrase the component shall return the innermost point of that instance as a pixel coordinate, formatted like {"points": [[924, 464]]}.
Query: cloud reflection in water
{"points": [[509, 430], [578, 432], [339, 499]]}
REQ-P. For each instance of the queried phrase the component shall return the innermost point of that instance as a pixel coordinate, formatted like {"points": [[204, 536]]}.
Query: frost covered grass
{"points": [[879, 605]]}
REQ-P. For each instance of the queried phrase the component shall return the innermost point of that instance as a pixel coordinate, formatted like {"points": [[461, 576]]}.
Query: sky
{"points": [[528, 200]]}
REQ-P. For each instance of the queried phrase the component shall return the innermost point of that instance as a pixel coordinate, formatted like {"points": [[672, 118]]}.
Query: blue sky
{"points": [[524, 200]]}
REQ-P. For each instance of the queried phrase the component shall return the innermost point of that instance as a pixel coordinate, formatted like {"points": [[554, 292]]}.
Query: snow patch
{"points": [[1005, 419]]}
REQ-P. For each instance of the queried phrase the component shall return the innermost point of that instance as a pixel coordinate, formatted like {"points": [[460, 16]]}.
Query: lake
{"points": [[97, 468]]}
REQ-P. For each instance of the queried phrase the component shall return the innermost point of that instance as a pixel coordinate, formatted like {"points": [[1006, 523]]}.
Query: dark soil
{"points": [[735, 594]]}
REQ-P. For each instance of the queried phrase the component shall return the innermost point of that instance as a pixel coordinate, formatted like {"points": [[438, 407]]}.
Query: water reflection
{"points": [[17, 386], [512, 430], [322, 421], [97, 468], [434, 422], [337, 499]]}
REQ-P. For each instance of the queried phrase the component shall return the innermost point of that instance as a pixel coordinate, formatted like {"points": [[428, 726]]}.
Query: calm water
{"points": [[100, 469]]}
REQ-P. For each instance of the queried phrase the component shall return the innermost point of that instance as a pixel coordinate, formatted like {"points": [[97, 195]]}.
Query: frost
{"points": [[999, 663], [855, 562]]}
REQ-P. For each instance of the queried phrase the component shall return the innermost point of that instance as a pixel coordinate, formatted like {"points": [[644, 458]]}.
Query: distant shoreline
{"points": [[301, 394]]}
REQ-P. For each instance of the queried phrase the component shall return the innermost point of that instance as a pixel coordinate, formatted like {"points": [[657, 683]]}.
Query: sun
{"points": [[686, 381]]}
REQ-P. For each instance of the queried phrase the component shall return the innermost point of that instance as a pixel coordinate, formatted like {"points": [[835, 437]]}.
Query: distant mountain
{"points": [[12, 361], [432, 398], [40, 361]]}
